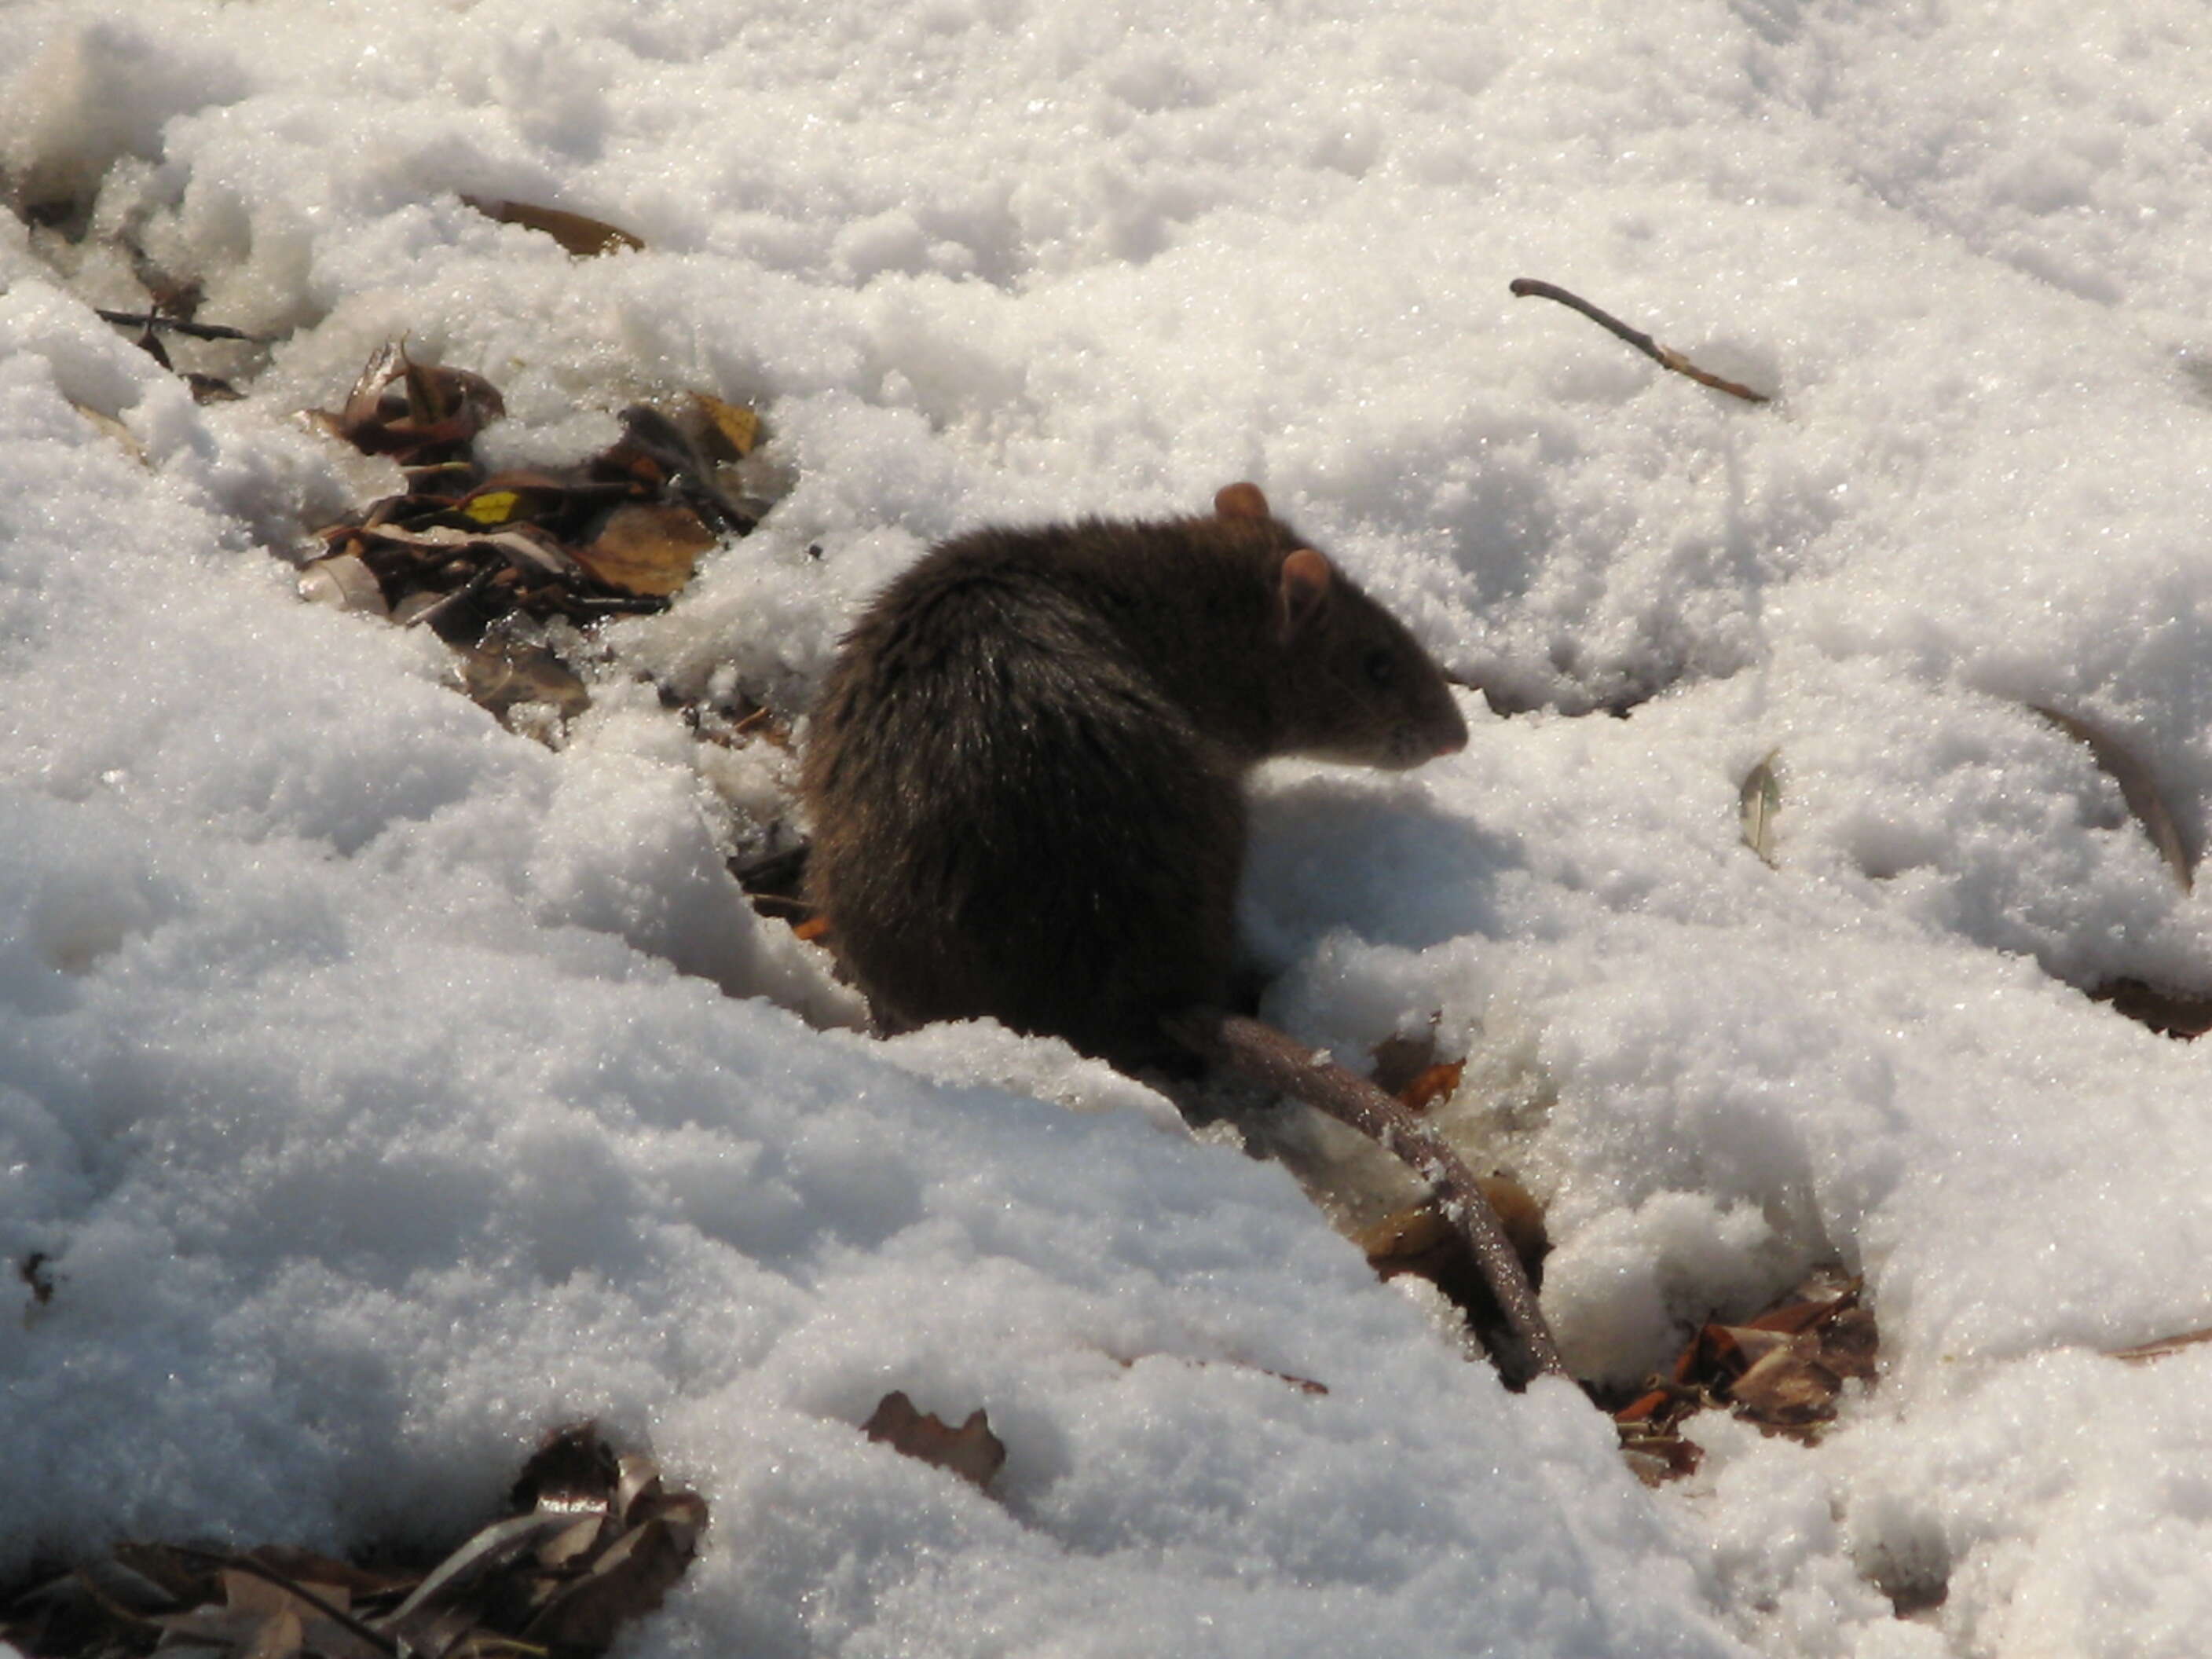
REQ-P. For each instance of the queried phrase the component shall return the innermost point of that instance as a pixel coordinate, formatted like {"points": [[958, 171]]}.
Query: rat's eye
{"points": [[1380, 668]]}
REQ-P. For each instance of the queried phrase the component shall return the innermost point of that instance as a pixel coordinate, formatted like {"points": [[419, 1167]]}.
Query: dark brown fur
{"points": [[1026, 767]]}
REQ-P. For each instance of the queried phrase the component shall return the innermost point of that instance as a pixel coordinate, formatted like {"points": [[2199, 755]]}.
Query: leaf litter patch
{"points": [[596, 1538], [502, 564]]}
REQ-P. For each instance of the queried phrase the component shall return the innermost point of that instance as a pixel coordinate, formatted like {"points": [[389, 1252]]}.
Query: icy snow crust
{"points": [[369, 1077]]}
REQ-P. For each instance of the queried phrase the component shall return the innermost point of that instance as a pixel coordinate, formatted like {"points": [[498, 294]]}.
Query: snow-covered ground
{"points": [[368, 1075]]}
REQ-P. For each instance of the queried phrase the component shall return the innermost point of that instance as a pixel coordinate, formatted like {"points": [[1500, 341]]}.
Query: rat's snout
{"points": [[1451, 737]]}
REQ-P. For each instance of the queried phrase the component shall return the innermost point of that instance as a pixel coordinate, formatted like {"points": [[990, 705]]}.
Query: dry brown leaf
{"points": [[414, 412], [647, 548], [1398, 1060], [1787, 1386], [1430, 1085], [2137, 787], [971, 1451], [626, 1581], [459, 1594], [1782, 1370], [581, 236], [726, 431], [2182, 1014]]}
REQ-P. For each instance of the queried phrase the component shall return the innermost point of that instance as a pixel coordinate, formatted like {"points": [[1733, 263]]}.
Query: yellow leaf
{"points": [[733, 424], [492, 505]]}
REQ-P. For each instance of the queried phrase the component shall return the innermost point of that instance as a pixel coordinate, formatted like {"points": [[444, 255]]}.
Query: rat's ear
{"points": [[1304, 586], [1240, 501]]}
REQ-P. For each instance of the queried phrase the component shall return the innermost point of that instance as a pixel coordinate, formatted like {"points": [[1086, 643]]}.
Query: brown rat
{"points": [[1026, 773], [1026, 769]]}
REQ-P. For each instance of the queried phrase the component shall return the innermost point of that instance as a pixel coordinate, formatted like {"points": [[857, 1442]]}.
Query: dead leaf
{"points": [[1432, 1083], [415, 412], [1782, 1370], [971, 1451], [556, 1583], [626, 1581], [1399, 1059], [1787, 1386], [345, 583], [726, 431], [2182, 1014], [1758, 802], [583, 237], [457, 1597], [2137, 787], [503, 678], [647, 548]]}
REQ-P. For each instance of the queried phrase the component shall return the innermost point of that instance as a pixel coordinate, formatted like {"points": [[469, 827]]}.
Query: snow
{"points": [[385, 1088]]}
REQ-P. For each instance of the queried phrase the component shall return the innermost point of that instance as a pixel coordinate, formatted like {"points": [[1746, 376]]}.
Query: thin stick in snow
{"points": [[1665, 357]]}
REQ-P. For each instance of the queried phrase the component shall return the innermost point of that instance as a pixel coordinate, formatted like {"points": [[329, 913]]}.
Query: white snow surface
{"points": [[383, 1089]]}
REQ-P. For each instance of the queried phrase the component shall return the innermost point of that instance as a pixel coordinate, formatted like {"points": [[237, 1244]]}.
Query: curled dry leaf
{"points": [[2137, 787], [1786, 1385], [971, 1451], [417, 413], [1758, 802], [626, 1581], [345, 583], [581, 236]]}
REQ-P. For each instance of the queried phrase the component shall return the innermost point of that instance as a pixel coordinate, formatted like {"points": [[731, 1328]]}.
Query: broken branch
{"points": [[1259, 1052]]}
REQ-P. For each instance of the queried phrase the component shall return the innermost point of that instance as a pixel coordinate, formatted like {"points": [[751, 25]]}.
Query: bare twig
{"points": [[151, 320], [467, 591], [2159, 1350], [1665, 357], [1262, 1053]]}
